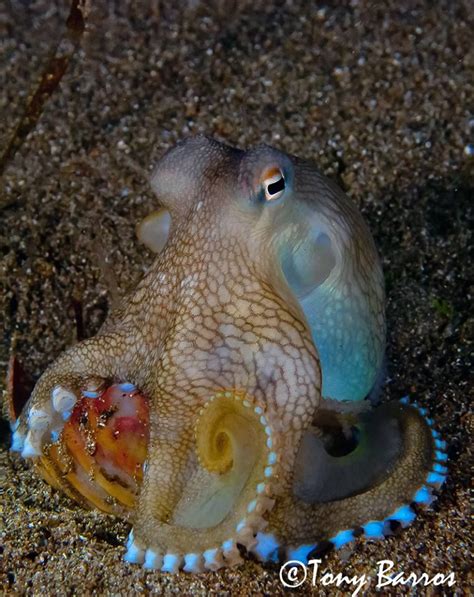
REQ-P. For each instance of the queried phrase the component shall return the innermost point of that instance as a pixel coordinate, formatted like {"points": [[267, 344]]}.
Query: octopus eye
{"points": [[273, 184]]}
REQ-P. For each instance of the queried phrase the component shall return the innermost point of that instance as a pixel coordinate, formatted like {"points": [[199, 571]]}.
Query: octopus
{"points": [[228, 406]]}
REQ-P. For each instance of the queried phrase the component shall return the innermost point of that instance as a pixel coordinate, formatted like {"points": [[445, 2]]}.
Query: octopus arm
{"points": [[205, 491], [322, 474], [398, 461], [84, 367]]}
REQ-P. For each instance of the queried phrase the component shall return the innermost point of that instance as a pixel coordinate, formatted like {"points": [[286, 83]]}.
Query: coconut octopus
{"points": [[221, 408]]}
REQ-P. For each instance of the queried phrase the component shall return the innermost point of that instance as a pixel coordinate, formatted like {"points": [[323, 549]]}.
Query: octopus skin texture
{"points": [[222, 405]]}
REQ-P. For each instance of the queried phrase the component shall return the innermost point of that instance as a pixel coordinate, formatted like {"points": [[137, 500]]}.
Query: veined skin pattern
{"points": [[222, 405]]}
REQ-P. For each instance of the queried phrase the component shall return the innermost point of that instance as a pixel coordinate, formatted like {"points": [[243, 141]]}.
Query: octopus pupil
{"points": [[276, 187]]}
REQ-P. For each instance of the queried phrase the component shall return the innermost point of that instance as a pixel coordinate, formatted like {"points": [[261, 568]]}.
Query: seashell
{"points": [[98, 456]]}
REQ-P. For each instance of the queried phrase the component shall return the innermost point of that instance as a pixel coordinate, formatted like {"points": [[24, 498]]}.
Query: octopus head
{"points": [[281, 221]]}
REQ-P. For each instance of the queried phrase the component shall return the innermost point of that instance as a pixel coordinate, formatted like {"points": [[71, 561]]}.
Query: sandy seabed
{"points": [[377, 94]]}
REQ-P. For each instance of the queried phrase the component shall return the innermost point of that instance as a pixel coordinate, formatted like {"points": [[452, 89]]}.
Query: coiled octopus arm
{"points": [[221, 406]]}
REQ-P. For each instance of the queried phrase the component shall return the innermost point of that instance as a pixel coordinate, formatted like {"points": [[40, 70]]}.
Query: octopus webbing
{"points": [[226, 407]]}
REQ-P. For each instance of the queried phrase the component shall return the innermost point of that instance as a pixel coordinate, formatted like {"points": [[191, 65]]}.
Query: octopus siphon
{"points": [[228, 405]]}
